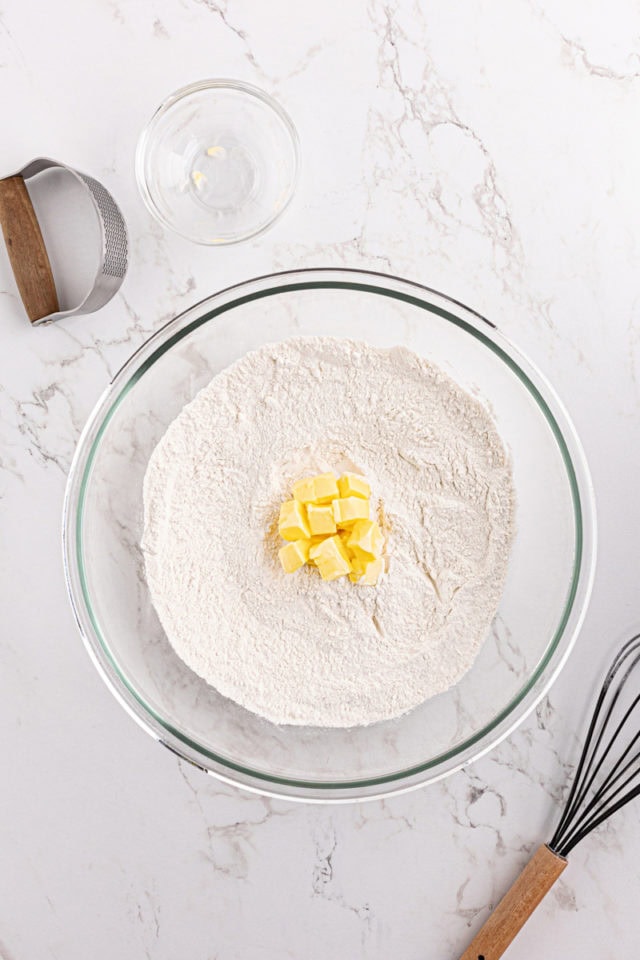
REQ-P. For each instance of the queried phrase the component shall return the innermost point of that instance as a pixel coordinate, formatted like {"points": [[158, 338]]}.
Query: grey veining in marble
{"points": [[488, 150]]}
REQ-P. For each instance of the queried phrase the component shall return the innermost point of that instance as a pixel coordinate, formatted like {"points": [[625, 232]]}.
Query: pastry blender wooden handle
{"points": [[516, 906], [26, 249]]}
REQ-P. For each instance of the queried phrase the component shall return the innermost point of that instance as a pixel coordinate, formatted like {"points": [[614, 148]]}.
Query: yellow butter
{"points": [[327, 525], [344, 535], [348, 510], [314, 542], [333, 570], [322, 549], [320, 489], [294, 555], [293, 524], [366, 572], [331, 558], [365, 540], [321, 519], [353, 485]]}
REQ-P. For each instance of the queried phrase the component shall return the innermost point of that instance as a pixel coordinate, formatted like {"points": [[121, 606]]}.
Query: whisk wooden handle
{"points": [[516, 906]]}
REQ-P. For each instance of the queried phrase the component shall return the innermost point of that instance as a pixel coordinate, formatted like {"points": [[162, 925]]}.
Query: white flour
{"points": [[294, 648]]}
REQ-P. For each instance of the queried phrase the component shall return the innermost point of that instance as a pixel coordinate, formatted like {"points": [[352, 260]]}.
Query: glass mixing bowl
{"points": [[218, 161], [548, 583]]}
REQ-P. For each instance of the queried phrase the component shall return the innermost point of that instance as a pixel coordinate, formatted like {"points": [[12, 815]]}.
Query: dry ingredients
{"points": [[325, 653]]}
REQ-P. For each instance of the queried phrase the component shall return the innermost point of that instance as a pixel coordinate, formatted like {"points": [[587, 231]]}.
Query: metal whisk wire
{"points": [[587, 805], [607, 777]]}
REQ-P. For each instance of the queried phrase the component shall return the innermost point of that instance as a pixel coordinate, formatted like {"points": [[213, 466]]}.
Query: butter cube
{"points": [[293, 524], [348, 510], [331, 558], [366, 540], [320, 489], [314, 542], [353, 485], [321, 519], [294, 555], [366, 572], [344, 535], [322, 548]]}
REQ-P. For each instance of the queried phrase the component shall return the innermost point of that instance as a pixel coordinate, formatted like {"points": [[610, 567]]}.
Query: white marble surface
{"points": [[490, 150]]}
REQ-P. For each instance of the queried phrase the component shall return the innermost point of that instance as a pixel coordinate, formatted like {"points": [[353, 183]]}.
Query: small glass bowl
{"points": [[218, 162]]}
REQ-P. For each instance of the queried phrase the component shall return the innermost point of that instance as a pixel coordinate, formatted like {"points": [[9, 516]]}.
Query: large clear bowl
{"points": [[548, 583]]}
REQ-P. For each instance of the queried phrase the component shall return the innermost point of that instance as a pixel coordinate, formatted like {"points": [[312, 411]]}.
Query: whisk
{"points": [[607, 777]]}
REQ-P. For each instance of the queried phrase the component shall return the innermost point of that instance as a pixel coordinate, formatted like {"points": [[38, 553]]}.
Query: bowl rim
{"points": [[220, 83], [559, 647]]}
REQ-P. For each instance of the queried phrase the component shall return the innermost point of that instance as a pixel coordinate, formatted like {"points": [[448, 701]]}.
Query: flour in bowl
{"points": [[294, 648]]}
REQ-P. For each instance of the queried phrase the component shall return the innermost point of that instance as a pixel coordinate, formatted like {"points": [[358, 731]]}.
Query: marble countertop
{"points": [[487, 150]]}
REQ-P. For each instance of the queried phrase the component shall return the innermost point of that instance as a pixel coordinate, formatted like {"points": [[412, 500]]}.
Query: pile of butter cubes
{"points": [[327, 525]]}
